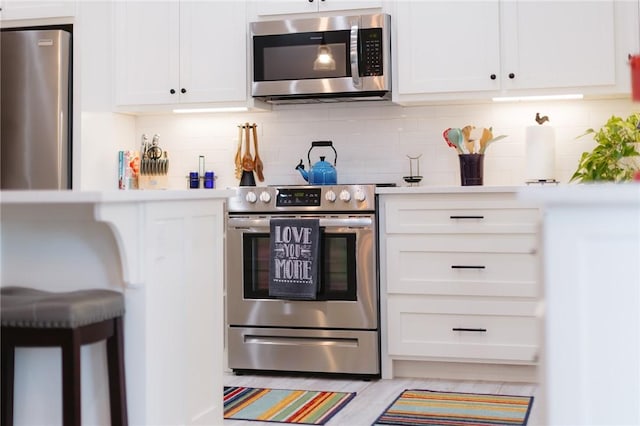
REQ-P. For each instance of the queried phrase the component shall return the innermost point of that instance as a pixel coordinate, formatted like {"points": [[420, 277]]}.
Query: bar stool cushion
{"points": [[31, 308]]}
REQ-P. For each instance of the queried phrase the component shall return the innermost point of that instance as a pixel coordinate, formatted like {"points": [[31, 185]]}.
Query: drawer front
{"points": [[486, 265], [424, 216], [469, 330]]}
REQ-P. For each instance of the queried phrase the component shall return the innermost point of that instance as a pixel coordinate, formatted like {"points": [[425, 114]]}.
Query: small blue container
{"points": [[194, 180], [209, 180]]}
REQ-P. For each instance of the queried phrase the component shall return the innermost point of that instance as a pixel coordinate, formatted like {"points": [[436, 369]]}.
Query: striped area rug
{"points": [[430, 408], [283, 405]]}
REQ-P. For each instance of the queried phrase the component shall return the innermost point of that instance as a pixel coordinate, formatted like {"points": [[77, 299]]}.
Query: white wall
{"points": [[373, 139]]}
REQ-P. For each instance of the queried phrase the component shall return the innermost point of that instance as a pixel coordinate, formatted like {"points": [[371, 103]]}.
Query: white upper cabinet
{"points": [[180, 52], [558, 44], [479, 49], [282, 7], [37, 9], [447, 46]]}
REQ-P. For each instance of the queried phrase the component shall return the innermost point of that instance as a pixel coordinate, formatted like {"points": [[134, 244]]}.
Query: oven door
{"points": [[348, 293]]}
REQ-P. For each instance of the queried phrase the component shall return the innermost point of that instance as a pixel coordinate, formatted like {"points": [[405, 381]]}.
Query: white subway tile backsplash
{"points": [[373, 139]]}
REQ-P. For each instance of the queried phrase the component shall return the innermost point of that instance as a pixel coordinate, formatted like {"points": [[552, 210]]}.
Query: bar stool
{"points": [[35, 318]]}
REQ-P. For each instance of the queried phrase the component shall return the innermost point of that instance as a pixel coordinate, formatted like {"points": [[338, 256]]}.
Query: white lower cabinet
{"points": [[462, 328], [459, 279]]}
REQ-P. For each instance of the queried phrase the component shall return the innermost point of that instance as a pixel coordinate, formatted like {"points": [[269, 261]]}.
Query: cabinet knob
{"points": [[492, 76], [512, 75], [172, 91], [310, 1], [183, 90]]}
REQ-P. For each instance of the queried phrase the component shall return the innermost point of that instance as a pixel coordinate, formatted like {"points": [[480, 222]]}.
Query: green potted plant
{"points": [[615, 156]]}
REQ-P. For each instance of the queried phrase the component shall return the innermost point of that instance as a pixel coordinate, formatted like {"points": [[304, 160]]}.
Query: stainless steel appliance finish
{"points": [[35, 137], [336, 333], [283, 55]]}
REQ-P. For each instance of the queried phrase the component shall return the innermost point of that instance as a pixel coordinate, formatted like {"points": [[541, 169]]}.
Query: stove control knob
{"points": [[345, 195], [330, 196], [360, 195], [251, 197], [265, 197]]}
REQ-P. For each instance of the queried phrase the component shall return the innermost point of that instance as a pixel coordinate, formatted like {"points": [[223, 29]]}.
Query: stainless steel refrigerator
{"points": [[35, 131]]}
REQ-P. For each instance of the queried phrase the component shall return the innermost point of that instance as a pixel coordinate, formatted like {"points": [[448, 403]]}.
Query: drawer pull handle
{"points": [[466, 217], [476, 330], [468, 267]]}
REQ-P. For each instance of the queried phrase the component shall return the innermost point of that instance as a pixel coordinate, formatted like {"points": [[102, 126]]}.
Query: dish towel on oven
{"points": [[294, 263]]}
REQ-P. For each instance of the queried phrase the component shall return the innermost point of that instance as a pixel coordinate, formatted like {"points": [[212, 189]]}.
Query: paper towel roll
{"points": [[540, 153]]}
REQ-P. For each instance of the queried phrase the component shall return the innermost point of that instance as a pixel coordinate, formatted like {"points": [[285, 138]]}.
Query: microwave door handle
{"points": [[355, 72]]}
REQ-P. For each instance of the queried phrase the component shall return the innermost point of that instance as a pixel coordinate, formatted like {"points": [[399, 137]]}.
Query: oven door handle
{"points": [[351, 222]]}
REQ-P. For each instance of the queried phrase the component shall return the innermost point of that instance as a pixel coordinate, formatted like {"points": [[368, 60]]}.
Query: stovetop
{"points": [[309, 198]]}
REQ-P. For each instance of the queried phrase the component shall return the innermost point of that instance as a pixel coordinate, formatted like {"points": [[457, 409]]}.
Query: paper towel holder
{"points": [[540, 152]]}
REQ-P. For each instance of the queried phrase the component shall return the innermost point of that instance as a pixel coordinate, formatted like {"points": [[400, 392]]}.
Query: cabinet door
{"points": [[213, 51], [558, 44], [329, 5], [283, 7], [461, 329], [447, 46], [37, 9], [147, 52], [501, 265]]}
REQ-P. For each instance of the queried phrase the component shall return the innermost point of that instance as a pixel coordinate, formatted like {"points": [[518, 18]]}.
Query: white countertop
{"points": [[426, 189], [112, 196], [595, 195]]}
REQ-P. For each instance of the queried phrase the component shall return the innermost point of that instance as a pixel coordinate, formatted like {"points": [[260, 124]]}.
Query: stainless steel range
{"points": [[338, 331]]}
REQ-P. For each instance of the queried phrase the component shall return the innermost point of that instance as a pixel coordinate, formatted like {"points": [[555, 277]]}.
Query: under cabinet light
{"points": [[220, 109], [537, 98]]}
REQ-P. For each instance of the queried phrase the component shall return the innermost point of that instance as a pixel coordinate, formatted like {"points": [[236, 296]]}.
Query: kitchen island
{"points": [[164, 250], [590, 248]]}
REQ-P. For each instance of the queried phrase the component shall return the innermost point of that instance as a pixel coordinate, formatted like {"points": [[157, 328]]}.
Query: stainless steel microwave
{"points": [[322, 59]]}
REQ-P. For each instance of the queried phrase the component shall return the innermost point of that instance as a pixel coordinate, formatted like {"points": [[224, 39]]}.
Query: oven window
{"points": [[337, 274]]}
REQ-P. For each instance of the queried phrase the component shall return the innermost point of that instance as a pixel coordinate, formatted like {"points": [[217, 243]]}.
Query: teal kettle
{"points": [[322, 172]]}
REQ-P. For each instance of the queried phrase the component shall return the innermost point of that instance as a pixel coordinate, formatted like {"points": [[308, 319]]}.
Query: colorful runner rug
{"points": [[283, 405], [424, 407]]}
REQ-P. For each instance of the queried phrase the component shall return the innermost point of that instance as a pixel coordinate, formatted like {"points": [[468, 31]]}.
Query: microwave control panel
{"points": [[371, 53]]}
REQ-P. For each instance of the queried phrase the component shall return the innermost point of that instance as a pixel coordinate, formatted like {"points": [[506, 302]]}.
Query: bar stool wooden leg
{"points": [[45, 309], [117, 388], [7, 361], [71, 404]]}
